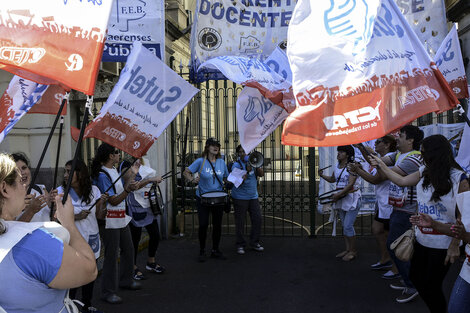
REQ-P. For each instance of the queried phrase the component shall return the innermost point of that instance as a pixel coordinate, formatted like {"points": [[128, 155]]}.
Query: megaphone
{"points": [[256, 159]]}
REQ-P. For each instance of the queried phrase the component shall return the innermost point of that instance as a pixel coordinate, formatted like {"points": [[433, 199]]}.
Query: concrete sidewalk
{"points": [[291, 275]]}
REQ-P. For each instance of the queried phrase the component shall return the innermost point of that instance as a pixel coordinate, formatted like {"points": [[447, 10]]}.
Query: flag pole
{"points": [[38, 167], [54, 184], [88, 104]]}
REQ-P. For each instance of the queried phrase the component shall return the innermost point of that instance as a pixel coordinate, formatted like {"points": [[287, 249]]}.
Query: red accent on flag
{"points": [[75, 132], [50, 102]]}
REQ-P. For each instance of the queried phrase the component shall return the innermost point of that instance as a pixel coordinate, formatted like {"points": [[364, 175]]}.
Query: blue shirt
{"points": [[207, 181], [248, 190], [103, 183]]}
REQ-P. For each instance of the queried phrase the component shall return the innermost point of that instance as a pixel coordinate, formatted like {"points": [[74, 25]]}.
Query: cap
{"points": [[212, 142]]}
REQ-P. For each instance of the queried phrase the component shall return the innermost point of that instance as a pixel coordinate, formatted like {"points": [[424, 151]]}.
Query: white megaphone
{"points": [[256, 159]]}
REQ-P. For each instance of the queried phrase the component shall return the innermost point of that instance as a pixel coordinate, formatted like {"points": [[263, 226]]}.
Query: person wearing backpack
{"points": [[245, 199], [116, 234]]}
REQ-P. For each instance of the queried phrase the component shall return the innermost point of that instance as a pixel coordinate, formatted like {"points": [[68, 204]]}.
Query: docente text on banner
{"points": [[54, 41], [146, 99], [250, 28], [361, 74]]}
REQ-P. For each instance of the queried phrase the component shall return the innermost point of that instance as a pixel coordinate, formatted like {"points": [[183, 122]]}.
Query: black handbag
{"points": [[228, 200]]}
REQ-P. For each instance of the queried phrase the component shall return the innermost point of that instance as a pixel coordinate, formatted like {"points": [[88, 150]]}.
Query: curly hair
{"points": [[8, 174], [439, 161], [84, 181], [101, 156]]}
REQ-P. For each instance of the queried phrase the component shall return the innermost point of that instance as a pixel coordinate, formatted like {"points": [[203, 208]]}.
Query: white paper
{"points": [[236, 176]]}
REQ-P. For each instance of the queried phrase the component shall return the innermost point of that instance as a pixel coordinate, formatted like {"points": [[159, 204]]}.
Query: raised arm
{"points": [[375, 179], [394, 174], [330, 179]]}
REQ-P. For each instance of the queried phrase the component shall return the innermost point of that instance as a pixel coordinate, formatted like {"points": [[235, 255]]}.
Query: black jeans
{"points": [[154, 238], [203, 215], [427, 273]]}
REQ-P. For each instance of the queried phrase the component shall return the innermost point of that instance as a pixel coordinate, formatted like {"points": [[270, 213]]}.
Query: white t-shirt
{"points": [[463, 200], [442, 211], [381, 195], [116, 216], [349, 202], [87, 227]]}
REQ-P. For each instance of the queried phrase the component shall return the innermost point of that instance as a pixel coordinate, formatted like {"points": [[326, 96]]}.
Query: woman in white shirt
{"points": [[84, 195], [437, 184]]}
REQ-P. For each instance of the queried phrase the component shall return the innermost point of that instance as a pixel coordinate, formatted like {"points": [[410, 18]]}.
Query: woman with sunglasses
{"points": [[138, 206], [116, 234], [437, 184], [210, 173]]}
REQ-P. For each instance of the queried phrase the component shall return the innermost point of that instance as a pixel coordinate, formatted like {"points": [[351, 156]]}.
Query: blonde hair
{"points": [[8, 174]]}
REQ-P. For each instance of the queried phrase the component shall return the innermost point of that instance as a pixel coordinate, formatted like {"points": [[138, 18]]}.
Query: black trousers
{"points": [[87, 294], [154, 238], [203, 213], [427, 273]]}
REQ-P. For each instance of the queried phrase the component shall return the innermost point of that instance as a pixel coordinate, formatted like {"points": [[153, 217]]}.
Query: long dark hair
{"points": [[101, 156], [439, 160], [84, 181]]}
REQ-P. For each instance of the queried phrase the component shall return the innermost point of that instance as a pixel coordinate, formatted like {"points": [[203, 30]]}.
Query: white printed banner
{"points": [[16, 101], [463, 155], [449, 61], [146, 99], [54, 41], [257, 117], [359, 72], [238, 27], [131, 20], [428, 20]]}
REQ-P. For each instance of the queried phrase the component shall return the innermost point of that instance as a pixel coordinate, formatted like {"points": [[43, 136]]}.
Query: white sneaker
{"points": [[240, 250], [257, 247]]}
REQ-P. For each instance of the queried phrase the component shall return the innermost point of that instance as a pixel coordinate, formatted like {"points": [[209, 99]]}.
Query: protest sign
{"points": [[146, 99], [361, 74], [428, 20], [240, 28], [16, 101], [54, 41], [449, 61], [50, 101], [131, 20]]}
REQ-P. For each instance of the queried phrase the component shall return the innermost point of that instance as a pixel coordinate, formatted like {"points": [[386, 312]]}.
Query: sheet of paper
{"points": [[236, 176]]}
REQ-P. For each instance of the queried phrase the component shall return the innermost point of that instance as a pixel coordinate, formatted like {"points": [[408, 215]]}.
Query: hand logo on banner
{"points": [[346, 98], [146, 99], [50, 42]]}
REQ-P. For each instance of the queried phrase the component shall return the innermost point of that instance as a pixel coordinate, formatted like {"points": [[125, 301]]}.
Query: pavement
{"points": [[292, 275]]}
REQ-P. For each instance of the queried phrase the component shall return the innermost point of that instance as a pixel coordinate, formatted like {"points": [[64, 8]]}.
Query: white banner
{"points": [[135, 20], [241, 28], [359, 72], [146, 99], [463, 154], [428, 20], [449, 61], [16, 101], [257, 117]]}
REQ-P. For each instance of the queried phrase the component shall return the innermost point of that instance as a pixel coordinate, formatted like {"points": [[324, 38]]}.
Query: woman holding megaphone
{"points": [[245, 199]]}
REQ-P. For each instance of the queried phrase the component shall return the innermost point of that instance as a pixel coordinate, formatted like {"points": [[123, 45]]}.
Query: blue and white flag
{"points": [[135, 20], [16, 101]]}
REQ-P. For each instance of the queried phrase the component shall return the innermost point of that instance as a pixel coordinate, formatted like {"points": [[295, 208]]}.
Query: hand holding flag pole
{"points": [[462, 113]]}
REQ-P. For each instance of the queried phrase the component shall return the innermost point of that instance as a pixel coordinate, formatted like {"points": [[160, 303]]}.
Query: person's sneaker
{"points": [[400, 285], [154, 267], [257, 247], [241, 250], [390, 275], [92, 309], [138, 275], [381, 266], [407, 295], [216, 254]]}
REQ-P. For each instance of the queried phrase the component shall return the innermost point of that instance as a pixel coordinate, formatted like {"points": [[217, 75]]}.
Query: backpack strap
{"points": [[110, 179]]}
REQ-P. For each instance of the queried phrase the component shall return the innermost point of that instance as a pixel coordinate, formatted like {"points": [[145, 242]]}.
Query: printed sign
{"points": [[361, 74], [240, 28], [16, 101], [50, 102], [54, 41], [449, 61], [146, 99], [428, 20], [135, 20]]}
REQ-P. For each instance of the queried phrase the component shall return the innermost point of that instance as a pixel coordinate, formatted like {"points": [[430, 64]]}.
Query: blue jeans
{"points": [[399, 223], [460, 297], [348, 218]]}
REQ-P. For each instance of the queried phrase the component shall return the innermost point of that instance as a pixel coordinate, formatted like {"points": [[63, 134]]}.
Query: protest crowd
{"points": [[354, 89]]}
